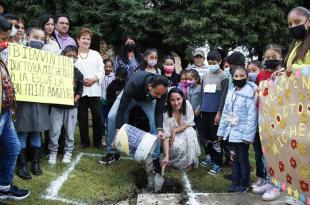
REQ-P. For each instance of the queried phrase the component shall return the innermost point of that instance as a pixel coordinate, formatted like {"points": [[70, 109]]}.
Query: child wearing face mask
{"points": [[31, 119], [253, 68], [183, 82], [272, 62], [151, 59], [194, 97], [116, 86], [298, 55], [168, 71], [214, 90], [105, 108], [238, 127]]}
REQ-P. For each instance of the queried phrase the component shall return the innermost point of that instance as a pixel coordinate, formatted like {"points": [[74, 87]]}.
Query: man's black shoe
{"points": [[109, 158]]}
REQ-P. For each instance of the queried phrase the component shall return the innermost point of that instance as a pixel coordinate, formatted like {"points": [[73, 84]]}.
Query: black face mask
{"points": [[36, 44], [272, 64], [239, 83], [129, 47], [298, 32]]}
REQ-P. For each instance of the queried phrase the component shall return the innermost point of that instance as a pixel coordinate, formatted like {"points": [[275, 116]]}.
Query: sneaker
{"points": [[109, 158], [67, 158], [259, 182], [52, 158], [271, 194], [242, 189], [14, 193], [215, 170], [207, 162], [262, 189], [232, 188]]}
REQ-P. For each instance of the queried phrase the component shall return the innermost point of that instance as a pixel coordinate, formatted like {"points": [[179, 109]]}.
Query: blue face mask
{"points": [[227, 72], [213, 68], [253, 77]]}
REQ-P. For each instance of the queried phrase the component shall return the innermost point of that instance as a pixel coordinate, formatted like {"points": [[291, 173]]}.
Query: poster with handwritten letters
{"points": [[40, 76], [284, 122]]}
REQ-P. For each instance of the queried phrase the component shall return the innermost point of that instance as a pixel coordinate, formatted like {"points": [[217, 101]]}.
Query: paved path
{"points": [[206, 199]]}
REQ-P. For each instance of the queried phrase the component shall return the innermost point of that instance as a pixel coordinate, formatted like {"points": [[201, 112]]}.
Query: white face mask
{"points": [[13, 31], [152, 63]]}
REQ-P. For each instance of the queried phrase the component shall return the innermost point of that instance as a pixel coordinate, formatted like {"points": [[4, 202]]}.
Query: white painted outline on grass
{"points": [[188, 190], [52, 192]]}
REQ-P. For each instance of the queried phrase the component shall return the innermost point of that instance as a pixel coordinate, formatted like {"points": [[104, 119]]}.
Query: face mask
{"points": [[191, 83], [272, 64], [13, 31], [36, 44], [227, 71], [152, 63], [213, 68], [298, 32], [239, 83], [184, 83], [253, 77], [129, 47], [168, 69]]}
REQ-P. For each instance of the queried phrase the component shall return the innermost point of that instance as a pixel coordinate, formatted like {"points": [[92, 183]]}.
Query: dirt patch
{"points": [[171, 185]]}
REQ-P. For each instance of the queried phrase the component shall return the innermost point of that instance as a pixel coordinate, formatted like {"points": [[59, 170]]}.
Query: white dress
{"points": [[185, 149]]}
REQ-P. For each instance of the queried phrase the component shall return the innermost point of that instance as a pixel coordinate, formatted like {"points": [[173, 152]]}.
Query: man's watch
{"points": [[160, 129]]}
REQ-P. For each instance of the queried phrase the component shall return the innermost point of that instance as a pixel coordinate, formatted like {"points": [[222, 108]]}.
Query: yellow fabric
{"points": [[299, 63]]}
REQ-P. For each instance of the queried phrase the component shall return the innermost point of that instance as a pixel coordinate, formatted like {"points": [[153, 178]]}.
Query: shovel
{"points": [[159, 180]]}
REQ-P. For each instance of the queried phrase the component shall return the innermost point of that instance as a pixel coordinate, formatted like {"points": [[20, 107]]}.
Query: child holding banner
{"points": [[238, 126], [65, 115], [31, 119]]}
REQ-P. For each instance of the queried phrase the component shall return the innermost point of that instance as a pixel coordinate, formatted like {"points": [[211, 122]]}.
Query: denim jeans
{"points": [[35, 139], [149, 110], [9, 148], [104, 117], [259, 157], [240, 163]]}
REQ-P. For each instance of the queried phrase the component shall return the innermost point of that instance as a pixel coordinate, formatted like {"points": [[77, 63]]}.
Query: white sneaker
{"points": [[262, 189], [271, 194], [67, 158], [259, 182], [52, 159]]}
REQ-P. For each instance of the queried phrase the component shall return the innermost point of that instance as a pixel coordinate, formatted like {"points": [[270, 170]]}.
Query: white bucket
{"points": [[135, 142]]}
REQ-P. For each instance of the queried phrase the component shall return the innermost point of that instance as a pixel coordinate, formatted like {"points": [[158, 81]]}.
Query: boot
{"points": [[21, 166], [35, 164]]}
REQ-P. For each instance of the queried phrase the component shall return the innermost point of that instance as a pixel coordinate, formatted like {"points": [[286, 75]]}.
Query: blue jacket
{"points": [[243, 103]]}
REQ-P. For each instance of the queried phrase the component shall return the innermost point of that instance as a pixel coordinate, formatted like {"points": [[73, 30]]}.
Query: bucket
{"points": [[135, 142]]}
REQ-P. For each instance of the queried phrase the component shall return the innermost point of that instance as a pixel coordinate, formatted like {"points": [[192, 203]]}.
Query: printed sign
{"points": [[40, 76]]}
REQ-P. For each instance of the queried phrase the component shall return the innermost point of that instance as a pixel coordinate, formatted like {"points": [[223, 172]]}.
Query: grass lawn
{"points": [[94, 183]]}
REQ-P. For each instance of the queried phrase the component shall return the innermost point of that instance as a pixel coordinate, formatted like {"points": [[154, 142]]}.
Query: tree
{"points": [[174, 25]]}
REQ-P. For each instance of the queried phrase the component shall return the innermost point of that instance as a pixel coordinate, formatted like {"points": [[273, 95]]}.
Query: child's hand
{"points": [[217, 118], [197, 113]]}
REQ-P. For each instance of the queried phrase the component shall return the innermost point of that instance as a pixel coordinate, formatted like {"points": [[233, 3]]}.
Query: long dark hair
{"points": [[183, 107], [43, 19], [305, 46], [137, 53]]}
